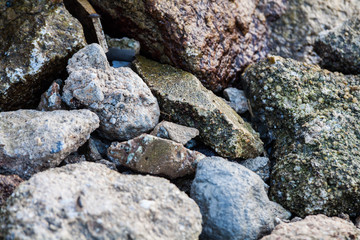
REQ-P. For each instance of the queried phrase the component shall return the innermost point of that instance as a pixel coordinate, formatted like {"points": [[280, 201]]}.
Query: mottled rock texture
{"points": [[32, 57], [314, 116], [32, 141], [315, 227], [154, 155], [123, 102], [259, 165], [89, 201], [51, 99], [339, 48], [214, 40], [175, 132], [293, 35], [237, 98], [233, 201], [7, 186], [184, 100]]}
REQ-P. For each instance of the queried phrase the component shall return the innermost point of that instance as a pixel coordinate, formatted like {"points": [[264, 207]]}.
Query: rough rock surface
{"points": [[293, 35], [175, 132], [123, 102], [211, 39], [314, 117], [184, 100], [123, 43], [150, 154], [315, 227], [89, 201], [31, 58], [259, 165], [237, 98], [233, 201], [339, 48], [51, 99], [31, 141], [7, 186]]}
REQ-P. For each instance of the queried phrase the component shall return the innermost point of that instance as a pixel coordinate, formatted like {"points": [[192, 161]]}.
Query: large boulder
{"points": [[32, 141], [314, 117], [184, 100], [213, 39], [121, 99], [233, 201], [89, 201], [36, 40]]}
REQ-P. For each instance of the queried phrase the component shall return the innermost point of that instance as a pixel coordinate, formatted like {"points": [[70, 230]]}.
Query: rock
{"points": [[185, 101], [123, 43], [294, 33], [34, 56], [32, 141], [259, 165], [211, 39], [150, 154], [51, 99], [315, 227], [313, 115], [72, 159], [96, 149], [108, 164], [339, 48], [175, 132], [237, 98], [123, 102], [89, 201], [232, 201], [7, 186]]}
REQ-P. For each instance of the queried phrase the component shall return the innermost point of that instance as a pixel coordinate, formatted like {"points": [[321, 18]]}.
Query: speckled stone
{"points": [[8, 183], [314, 116]]}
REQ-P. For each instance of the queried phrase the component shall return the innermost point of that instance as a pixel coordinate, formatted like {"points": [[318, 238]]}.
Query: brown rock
{"points": [[150, 154], [7, 186], [213, 39]]}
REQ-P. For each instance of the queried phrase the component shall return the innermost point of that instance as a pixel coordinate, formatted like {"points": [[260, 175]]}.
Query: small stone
{"points": [[237, 98], [123, 43], [259, 165], [175, 132], [51, 99]]}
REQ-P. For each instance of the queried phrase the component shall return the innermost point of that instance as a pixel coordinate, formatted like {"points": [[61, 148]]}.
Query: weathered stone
{"points": [[123, 43], [150, 154], [51, 99], [314, 116], [175, 132], [211, 39], [108, 164], [7, 186], [93, 153], [89, 201], [123, 102], [32, 141], [237, 98], [232, 201], [72, 159], [259, 165], [315, 227], [339, 48], [293, 35], [31, 58], [184, 100]]}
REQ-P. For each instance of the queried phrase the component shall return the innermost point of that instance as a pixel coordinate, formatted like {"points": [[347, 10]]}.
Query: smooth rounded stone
{"points": [[32, 141], [339, 48], [31, 58], [154, 155], [7, 186], [175, 132], [313, 116], [315, 227], [237, 98], [123, 102], [185, 101], [213, 39], [89, 201], [294, 33], [259, 165], [51, 99], [233, 201]]}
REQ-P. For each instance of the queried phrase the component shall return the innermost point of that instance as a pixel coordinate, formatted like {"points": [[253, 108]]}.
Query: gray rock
{"points": [[123, 102], [150, 154], [89, 201], [31, 58], [32, 141], [123, 43], [51, 99], [232, 201], [314, 116], [73, 158], [315, 227], [339, 48], [237, 98], [108, 164], [259, 165], [175, 132], [185, 101]]}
